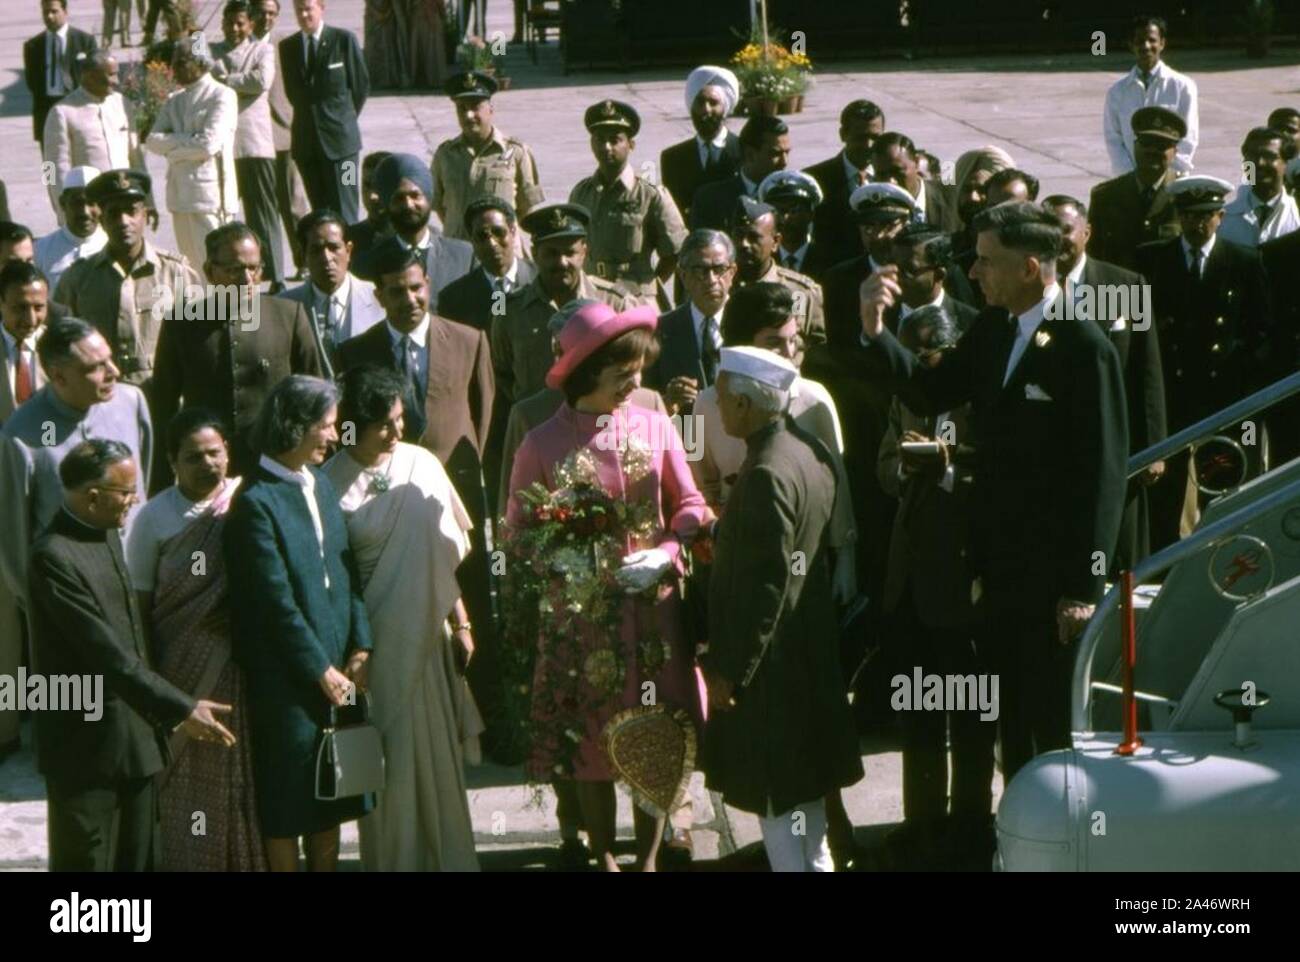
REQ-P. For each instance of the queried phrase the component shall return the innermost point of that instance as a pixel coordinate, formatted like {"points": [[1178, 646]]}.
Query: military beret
{"points": [[390, 256], [790, 185], [1199, 193], [1158, 122], [119, 184], [556, 220], [877, 203], [470, 84], [748, 210], [613, 113]]}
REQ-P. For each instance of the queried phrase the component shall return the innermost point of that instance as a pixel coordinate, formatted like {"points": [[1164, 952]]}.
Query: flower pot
{"points": [[503, 81], [791, 105], [761, 105]]}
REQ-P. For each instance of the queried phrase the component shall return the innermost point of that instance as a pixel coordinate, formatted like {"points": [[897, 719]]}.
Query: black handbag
{"points": [[350, 759]]}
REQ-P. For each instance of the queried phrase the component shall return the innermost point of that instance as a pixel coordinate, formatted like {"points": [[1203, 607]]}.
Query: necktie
{"points": [[22, 375], [713, 158], [311, 56], [414, 402], [1198, 257], [1261, 217], [710, 356], [1146, 79]]}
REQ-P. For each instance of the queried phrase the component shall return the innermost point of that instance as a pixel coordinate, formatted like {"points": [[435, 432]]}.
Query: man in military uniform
{"points": [[1211, 311], [630, 217], [1135, 208], [753, 231], [796, 196], [521, 342], [126, 289], [482, 160]]}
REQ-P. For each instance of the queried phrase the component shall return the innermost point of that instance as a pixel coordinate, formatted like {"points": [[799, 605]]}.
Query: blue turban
{"points": [[397, 168]]}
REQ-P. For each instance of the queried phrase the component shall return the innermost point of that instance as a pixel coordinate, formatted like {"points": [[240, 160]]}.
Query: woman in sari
{"points": [[174, 555], [578, 687], [408, 531]]}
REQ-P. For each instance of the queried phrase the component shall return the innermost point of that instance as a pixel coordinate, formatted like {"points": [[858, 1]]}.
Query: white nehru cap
{"points": [[760, 365], [702, 77], [79, 177]]}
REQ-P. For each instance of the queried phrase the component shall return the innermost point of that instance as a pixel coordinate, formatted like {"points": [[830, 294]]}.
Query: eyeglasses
{"points": [[700, 270], [130, 494]]}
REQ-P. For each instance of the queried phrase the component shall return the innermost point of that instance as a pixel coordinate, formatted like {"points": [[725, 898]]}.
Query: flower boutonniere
{"points": [[1042, 338]]}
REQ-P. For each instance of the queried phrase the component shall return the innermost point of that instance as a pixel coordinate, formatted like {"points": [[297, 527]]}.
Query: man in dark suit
{"points": [[1135, 208], [99, 757], [228, 360], [764, 147], [834, 226], [493, 231], [1211, 309], [448, 370], [1047, 405], [894, 158], [926, 598], [690, 336], [1281, 260], [405, 187], [780, 736], [326, 81], [713, 154], [52, 62], [1112, 297]]}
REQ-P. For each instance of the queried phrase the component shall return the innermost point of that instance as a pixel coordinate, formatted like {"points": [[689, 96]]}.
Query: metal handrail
{"points": [[1158, 563], [1208, 427]]}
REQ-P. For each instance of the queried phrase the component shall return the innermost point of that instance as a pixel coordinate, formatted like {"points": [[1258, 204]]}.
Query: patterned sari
{"points": [[206, 802]]}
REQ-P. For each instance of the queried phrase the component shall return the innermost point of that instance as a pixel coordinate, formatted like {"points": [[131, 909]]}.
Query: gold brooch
{"points": [[1042, 339]]}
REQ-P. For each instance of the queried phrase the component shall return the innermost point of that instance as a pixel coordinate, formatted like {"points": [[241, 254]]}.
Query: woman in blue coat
{"points": [[300, 628]]}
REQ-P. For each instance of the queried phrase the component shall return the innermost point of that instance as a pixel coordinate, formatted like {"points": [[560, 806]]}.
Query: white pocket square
{"points": [[80, 56], [1119, 324], [337, 66], [1035, 393]]}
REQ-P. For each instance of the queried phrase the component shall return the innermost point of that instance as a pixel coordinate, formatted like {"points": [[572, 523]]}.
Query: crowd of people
{"points": [[618, 487]]}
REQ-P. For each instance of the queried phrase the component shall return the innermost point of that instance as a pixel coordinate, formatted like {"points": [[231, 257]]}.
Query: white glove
{"points": [[641, 569], [844, 580]]}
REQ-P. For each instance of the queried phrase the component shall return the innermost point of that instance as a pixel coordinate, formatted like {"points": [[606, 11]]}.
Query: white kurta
{"points": [[407, 542]]}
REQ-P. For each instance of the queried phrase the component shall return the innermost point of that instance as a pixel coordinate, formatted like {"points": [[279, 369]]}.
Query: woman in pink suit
{"points": [[635, 456]]}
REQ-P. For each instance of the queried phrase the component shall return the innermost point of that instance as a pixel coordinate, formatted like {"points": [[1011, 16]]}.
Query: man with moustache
{"points": [[972, 172], [339, 305], [230, 357], [405, 188], [80, 236], [1263, 210], [764, 147], [99, 771], [126, 288], [1139, 356], [493, 230], [753, 231], [713, 153], [631, 218], [1135, 207], [861, 122], [894, 158], [482, 161]]}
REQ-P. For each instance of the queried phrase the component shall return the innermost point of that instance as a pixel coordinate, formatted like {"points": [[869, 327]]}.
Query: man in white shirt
{"points": [[1264, 210], [340, 305], [1150, 83], [195, 131], [94, 127], [80, 236]]}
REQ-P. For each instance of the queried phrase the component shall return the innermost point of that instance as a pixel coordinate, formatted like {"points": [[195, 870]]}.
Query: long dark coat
{"points": [[288, 628], [773, 633]]}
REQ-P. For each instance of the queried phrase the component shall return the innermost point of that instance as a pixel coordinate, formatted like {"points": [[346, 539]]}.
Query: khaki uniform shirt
{"points": [[629, 219], [807, 301], [520, 338], [503, 168], [128, 308]]}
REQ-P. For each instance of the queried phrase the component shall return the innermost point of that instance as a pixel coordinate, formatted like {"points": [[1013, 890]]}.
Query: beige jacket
{"points": [[195, 131], [249, 70], [83, 130]]}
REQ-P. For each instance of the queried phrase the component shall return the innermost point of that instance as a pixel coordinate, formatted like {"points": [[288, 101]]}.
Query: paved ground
{"points": [[1045, 110]]}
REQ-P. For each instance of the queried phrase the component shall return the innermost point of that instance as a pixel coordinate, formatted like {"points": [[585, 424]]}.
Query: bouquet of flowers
{"points": [[771, 71], [146, 87], [560, 592]]}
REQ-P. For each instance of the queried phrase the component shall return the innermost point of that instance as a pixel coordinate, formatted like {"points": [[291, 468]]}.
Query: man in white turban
{"points": [[713, 153]]}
